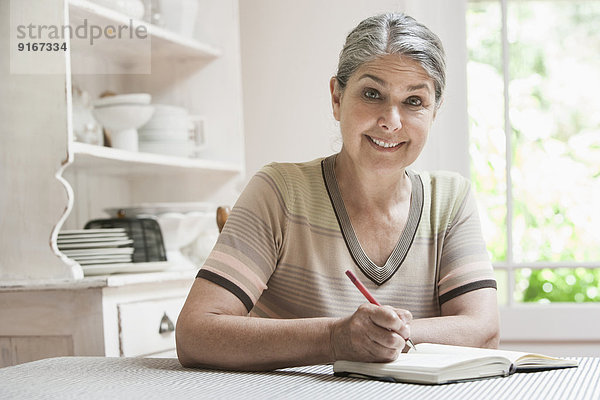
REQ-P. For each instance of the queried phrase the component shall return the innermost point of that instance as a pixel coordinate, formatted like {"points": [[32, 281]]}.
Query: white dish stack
{"points": [[104, 251], [131, 8], [91, 247], [171, 131]]}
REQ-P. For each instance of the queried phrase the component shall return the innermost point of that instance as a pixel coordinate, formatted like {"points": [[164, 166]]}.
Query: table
{"points": [[165, 378]]}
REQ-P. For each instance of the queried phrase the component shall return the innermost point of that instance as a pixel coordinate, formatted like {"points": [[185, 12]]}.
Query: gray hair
{"points": [[392, 33]]}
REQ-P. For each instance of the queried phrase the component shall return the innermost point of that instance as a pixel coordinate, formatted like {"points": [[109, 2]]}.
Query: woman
{"points": [[413, 239]]}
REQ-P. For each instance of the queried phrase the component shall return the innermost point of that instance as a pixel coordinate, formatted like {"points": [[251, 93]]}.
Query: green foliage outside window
{"points": [[547, 285], [554, 72]]}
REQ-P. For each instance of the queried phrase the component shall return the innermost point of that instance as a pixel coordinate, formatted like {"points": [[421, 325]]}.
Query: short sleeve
{"points": [[247, 250], [465, 264]]}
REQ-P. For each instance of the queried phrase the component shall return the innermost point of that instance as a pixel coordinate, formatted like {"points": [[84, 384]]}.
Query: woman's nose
{"points": [[390, 120]]}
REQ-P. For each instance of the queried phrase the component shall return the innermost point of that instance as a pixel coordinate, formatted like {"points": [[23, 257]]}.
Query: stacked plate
{"points": [[170, 131], [90, 247]]}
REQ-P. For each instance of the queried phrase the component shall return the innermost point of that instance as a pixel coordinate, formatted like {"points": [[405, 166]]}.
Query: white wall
{"points": [[289, 52]]}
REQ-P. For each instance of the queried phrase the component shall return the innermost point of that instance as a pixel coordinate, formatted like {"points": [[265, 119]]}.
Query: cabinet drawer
{"points": [[140, 326]]}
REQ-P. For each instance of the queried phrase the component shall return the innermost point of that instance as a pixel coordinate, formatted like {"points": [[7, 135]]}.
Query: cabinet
{"points": [[51, 182], [118, 315]]}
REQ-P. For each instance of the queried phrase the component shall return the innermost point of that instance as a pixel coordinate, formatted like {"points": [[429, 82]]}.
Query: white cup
{"points": [[180, 15], [197, 134]]}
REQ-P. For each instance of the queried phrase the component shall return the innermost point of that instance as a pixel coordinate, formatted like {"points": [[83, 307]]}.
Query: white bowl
{"points": [[132, 98], [169, 148], [122, 121], [168, 122], [120, 116], [169, 110], [167, 117], [164, 135]]}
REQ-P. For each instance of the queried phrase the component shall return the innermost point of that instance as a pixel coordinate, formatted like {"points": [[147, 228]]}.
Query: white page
{"points": [[513, 356]]}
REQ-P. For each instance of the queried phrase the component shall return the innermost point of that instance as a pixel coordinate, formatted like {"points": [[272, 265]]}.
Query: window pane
{"points": [[557, 285], [486, 121], [502, 283], [555, 119]]}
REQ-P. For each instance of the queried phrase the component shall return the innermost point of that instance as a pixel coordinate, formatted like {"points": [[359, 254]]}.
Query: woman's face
{"points": [[385, 113]]}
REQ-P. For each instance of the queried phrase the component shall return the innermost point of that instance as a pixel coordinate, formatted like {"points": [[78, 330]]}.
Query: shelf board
{"points": [[164, 43], [99, 281], [108, 161]]}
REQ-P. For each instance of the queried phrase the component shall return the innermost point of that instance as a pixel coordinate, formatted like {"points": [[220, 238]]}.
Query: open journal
{"points": [[438, 363]]}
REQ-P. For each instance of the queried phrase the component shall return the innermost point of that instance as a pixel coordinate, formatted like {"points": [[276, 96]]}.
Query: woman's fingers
{"points": [[386, 338], [393, 319], [371, 334], [404, 315]]}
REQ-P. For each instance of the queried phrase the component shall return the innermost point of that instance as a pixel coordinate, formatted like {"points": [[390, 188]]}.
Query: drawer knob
{"points": [[166, 325]]}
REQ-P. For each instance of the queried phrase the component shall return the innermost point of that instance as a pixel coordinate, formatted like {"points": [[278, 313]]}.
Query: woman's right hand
{"points": [[371, 334]]}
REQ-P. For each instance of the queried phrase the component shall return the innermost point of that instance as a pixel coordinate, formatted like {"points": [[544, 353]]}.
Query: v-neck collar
{"points": [[375, 273]]}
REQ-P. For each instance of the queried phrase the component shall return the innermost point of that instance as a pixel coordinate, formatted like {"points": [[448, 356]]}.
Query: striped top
{"points": [[288, 241]]}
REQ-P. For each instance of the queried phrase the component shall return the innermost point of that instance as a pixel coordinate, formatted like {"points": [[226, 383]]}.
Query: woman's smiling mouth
{"points": [[384, 144]]}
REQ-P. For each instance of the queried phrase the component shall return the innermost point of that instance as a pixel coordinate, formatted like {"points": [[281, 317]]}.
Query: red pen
{"points": [[371, 299]]}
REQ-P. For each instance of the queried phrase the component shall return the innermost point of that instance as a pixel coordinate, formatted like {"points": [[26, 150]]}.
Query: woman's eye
{"points": [[371, 94], [414, 101]]}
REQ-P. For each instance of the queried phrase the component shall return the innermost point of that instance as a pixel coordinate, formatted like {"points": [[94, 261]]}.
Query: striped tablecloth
{"points": [[159, 378]]}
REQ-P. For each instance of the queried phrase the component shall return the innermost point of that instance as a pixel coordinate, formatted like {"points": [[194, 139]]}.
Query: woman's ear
{"points": [[437, 107], [334, 89]]}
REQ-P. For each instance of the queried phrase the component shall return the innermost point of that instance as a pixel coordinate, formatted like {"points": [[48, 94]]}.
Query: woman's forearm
{"points": [[467, 320], [459, 330], [246, 343]]}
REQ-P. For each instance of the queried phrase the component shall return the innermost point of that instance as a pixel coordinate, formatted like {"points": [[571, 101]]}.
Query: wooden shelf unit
{"points": [[165, 45]]}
